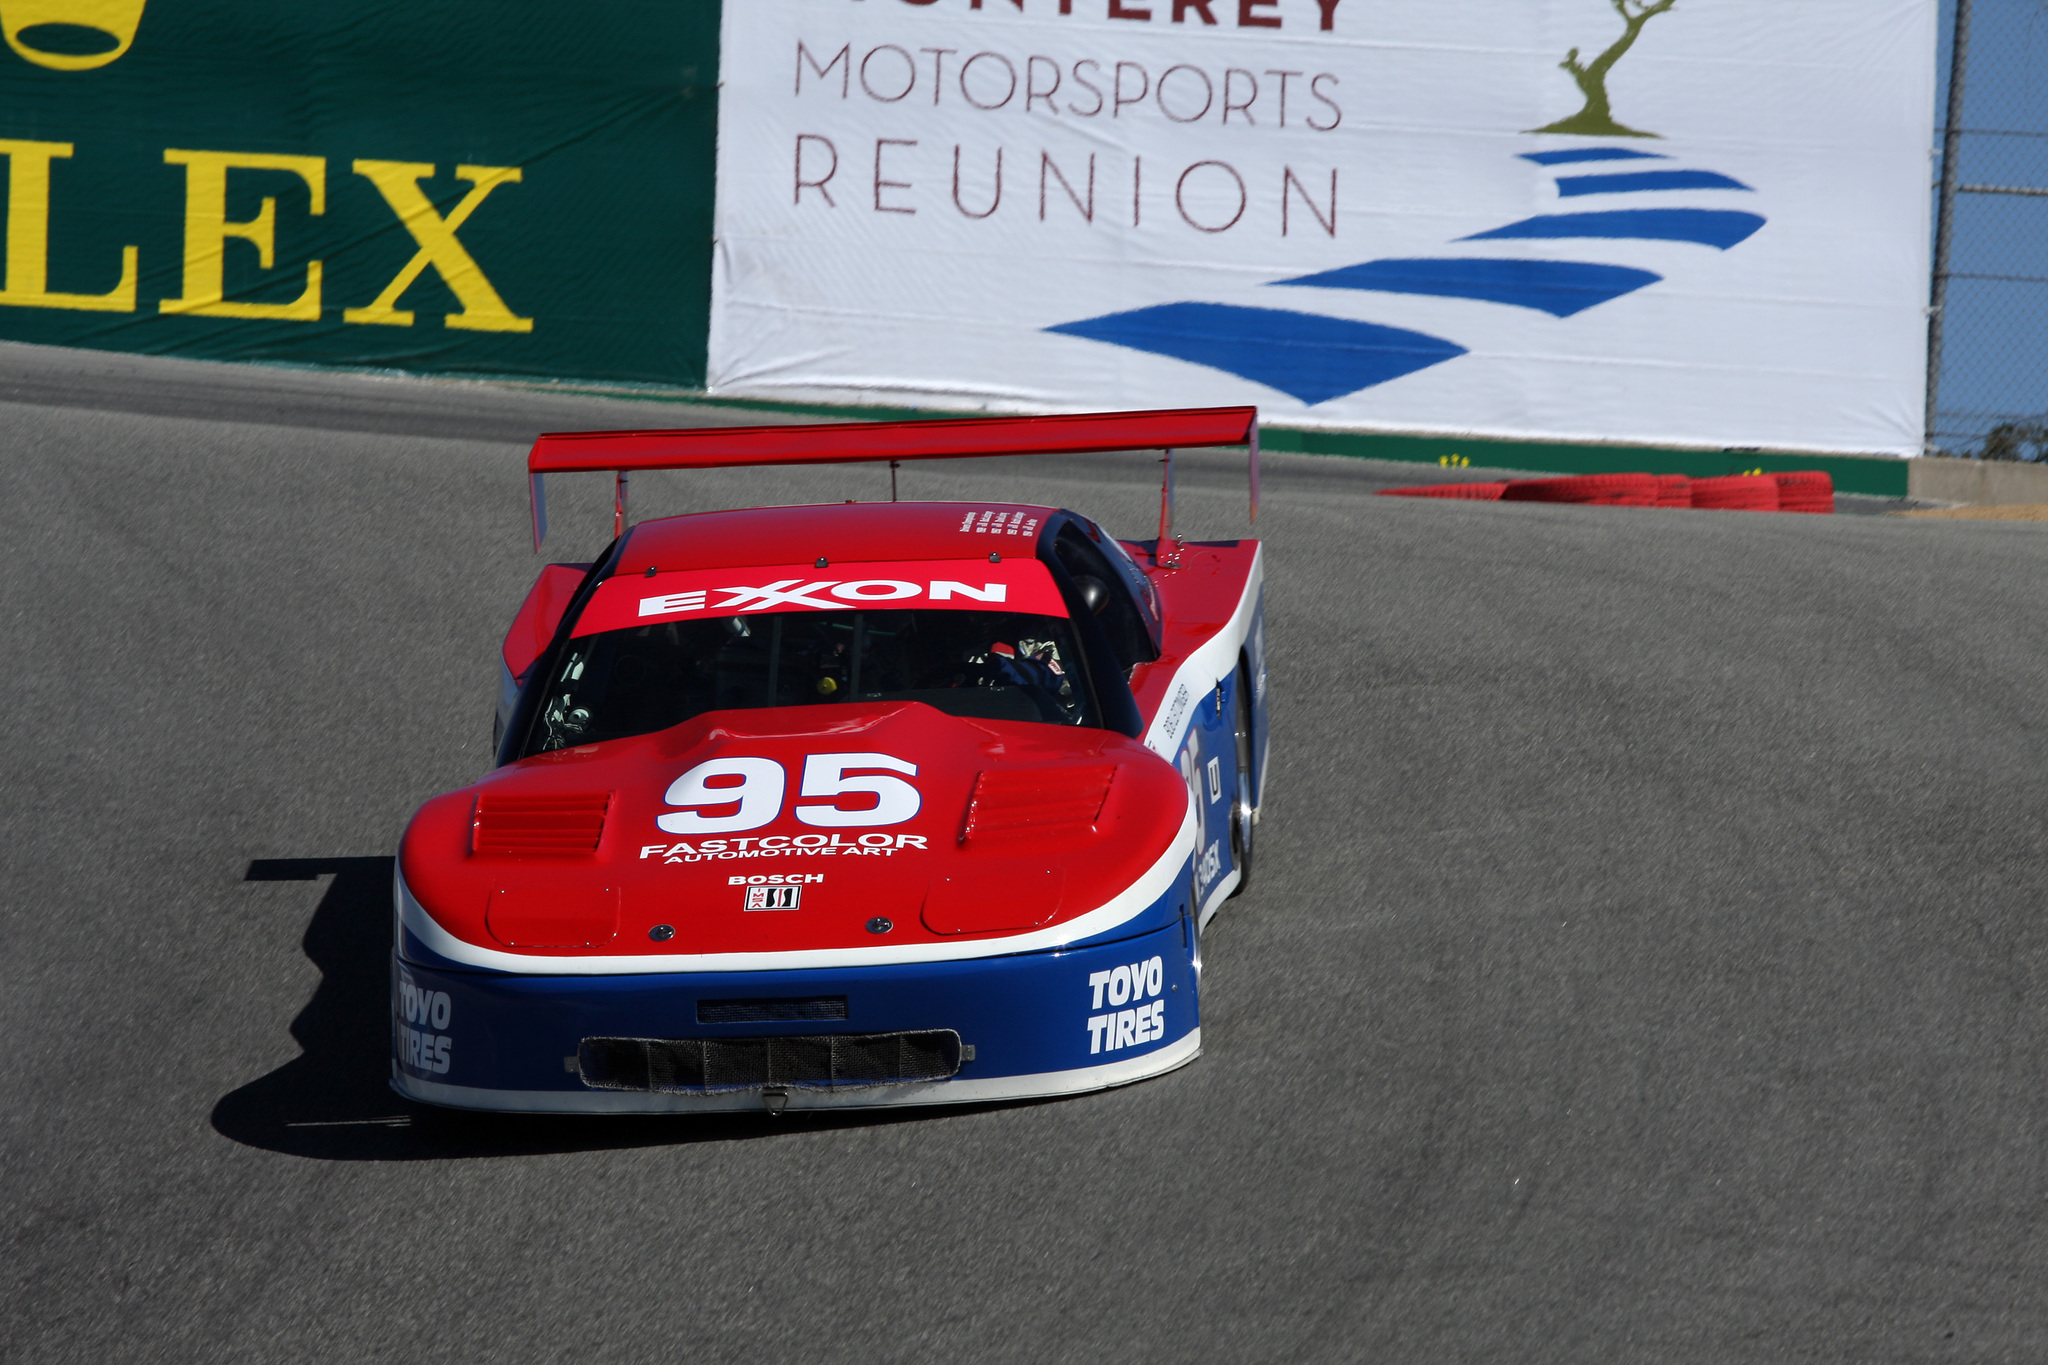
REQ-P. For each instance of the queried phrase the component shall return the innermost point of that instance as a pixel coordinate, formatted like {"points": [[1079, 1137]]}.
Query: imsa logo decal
{"points": [[778, 892]]}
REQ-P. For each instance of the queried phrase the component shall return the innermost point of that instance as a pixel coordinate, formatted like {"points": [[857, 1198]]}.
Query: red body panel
{"points": [[974, 885], [1196, 600], [539, 615]]}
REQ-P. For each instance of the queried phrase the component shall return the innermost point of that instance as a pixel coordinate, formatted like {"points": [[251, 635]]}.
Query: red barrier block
{"points": [[1595, 490], [1472, 492], [1806, 490], [1737, 493]]}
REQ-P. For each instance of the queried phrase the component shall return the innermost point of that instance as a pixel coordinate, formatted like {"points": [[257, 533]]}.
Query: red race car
{"points": [[843, 805]]}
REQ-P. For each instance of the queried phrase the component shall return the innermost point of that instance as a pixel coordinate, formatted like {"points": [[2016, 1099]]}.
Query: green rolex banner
{"points": [[471, 186]]}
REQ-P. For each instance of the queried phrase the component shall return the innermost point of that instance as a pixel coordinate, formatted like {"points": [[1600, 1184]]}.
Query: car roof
{"points": [[850, 532]]}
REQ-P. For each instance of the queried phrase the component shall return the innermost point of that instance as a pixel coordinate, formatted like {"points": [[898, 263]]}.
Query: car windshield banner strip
{"points": [[1016, 585]]}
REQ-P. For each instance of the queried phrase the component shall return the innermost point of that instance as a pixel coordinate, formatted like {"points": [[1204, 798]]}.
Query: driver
{"points": [[1028, 663]]}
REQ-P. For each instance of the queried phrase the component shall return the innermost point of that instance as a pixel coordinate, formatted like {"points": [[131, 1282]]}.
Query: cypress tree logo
{"points": [[70, 35], [1317, 357], [1596, 119]]}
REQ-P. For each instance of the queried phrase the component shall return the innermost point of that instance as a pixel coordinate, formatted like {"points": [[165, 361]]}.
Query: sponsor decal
{"points": [[994, 521], [785, 846], [1138, 986], [1211, 864], [422, 1046], [837, 595], [781, 891], [1177, 709], [1021, 585]]}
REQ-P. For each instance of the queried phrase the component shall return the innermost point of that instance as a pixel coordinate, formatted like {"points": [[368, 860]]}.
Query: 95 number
{"points": [[759, 784]]}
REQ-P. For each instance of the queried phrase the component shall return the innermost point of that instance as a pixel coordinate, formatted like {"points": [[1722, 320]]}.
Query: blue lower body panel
{"points": [[1033, 1024]]}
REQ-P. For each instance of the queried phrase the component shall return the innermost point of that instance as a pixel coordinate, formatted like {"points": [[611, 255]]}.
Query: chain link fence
{"points": [[1988, 363]]}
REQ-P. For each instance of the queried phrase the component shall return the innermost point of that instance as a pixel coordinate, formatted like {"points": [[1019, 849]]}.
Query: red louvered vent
{"points": [[1037, 803], [564, 824]]}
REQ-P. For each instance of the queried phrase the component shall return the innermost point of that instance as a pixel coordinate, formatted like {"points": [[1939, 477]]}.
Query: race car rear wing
{"points": [[623, 452]]}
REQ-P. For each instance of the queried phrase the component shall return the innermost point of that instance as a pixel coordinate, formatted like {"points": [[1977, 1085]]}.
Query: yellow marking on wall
{"points": [[118, 19], [207, 230], [482, 309], [28, 236]]}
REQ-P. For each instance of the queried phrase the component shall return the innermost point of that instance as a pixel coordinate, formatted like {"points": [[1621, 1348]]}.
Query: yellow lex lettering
{"points": [[207, 230], [28, 236], [482, 309]]}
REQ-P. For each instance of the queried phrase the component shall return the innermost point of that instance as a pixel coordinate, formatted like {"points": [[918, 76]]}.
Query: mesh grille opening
{"points": [[783, 1011], [709, 1066], [564, 824]]}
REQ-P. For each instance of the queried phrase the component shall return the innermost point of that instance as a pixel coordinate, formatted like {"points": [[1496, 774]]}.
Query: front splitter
{"points": [[959, 1090]]}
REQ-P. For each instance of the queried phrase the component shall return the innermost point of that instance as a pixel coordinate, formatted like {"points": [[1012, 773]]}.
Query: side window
{"points": [[1141, 586], [1108, 593]]}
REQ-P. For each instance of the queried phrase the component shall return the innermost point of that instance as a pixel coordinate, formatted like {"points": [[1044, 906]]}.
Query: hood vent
{"points": [[1013, 804], [556, 824]]}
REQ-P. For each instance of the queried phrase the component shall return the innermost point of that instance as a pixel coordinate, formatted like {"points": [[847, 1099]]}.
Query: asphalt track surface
{"points": [[1646, 960]]}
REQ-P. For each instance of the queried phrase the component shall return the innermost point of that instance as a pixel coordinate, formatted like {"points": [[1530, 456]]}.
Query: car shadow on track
{"points": [[334, 1101]]}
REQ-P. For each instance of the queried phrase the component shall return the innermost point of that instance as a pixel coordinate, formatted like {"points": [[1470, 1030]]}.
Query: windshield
{"points": [[993, 665]]}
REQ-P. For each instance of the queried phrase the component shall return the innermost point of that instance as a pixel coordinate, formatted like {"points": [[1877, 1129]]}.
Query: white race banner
{"points": [[1688, 222]]}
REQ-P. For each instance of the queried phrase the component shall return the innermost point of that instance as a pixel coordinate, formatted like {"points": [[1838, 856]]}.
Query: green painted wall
{"points": [[318, 125], [1876, 475]]}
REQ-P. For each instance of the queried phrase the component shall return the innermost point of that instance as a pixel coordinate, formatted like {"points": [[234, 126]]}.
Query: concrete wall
{"points": [[1976, 483]]}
